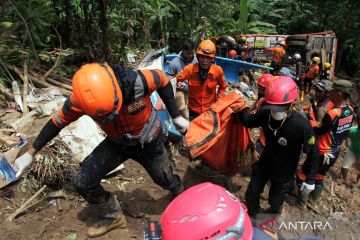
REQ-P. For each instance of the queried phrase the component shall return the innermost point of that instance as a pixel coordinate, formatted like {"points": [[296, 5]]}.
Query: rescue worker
{"points": [[244, 50], [287, 132], [321, 104], [326, 72], [204, 77], [118, 99], [263, 81], [298, 67], [331, 133], [311, 74], [352, 156], [185, 57], [279, 53]]}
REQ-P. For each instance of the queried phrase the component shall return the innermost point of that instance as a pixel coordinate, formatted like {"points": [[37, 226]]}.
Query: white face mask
{"points": [[278, 115]]}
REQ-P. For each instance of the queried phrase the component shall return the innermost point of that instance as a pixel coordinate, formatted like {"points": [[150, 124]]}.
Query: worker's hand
{"points": [[307, 187], [181, 124], [22, 162], [327, 158]]}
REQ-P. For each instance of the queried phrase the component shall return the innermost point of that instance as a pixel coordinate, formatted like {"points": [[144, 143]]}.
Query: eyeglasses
{"points": [[206, 51]]}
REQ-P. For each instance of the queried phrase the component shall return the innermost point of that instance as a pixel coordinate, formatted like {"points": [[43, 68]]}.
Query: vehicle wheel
{"points": [[312, 53], [296, 38]]}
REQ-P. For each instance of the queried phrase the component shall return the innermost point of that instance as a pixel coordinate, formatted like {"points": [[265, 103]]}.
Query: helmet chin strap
{"points": [[114, 113]]}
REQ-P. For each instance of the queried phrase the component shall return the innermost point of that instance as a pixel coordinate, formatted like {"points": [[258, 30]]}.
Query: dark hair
{"points": [[188, 45]]}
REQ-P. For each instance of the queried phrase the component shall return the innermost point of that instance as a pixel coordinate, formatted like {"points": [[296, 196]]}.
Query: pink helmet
{"points": [[264, 79], [281, 90], [206, 211]]}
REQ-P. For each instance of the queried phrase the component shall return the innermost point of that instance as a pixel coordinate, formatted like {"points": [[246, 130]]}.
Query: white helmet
{"points": [[297, 56]]}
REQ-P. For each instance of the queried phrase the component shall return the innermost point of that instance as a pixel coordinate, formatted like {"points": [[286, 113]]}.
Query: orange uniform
{"points": [[279, 53], [313, 71], [341, 123], [203, 94], [135, 111]]}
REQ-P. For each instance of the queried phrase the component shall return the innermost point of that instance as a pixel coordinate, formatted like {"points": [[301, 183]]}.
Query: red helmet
{"points": [[206, 211], [96, 90], [264, 79], [281, 90], [232, 53]]}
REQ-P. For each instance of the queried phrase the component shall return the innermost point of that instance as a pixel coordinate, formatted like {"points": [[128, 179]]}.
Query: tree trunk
{"points": [[104, 26], [162, 34], [88, 32], [145, 25], [71, 24]]}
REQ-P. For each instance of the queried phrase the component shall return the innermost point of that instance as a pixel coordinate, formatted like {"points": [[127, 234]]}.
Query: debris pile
{"points": [[53, 165]]}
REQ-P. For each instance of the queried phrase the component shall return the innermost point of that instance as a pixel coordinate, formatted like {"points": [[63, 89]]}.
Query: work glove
{"points": [[22, 162], [307, 187], [327, 158], [181, 124]]}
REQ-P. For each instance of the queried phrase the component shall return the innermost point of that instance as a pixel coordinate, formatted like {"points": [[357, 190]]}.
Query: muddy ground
{"points": [[337, 212]]}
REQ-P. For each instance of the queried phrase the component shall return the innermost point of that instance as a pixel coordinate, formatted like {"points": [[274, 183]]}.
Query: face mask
{"points": [[278, 115]]}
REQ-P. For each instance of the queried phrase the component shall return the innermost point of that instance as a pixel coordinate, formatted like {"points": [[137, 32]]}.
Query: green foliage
{"points": [[136, 24], [39, 16], [243, 16]]}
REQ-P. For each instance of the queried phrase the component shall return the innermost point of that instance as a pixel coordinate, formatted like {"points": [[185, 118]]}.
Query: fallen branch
{"points": [[25, 205], [55, 76], [309, 205], [56, 194], [56, 83], [57, 59], [6, 70], [38, 82], [5, 92]]}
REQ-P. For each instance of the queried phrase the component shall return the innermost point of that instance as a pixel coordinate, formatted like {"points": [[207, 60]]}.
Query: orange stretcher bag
{"points": [[219, 139]]}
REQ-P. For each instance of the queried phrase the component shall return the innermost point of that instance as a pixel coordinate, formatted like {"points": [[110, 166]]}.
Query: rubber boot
{"points": [[303, 198], [316, 193], [112, 217]]}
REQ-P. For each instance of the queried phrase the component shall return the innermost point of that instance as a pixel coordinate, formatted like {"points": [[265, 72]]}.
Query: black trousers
{"points": [[109, 154], [277, 192]]}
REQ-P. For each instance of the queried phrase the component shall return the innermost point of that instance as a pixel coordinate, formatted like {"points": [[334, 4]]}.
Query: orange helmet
{"points": [[97, 91], [232, 53], [206, 48]]}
